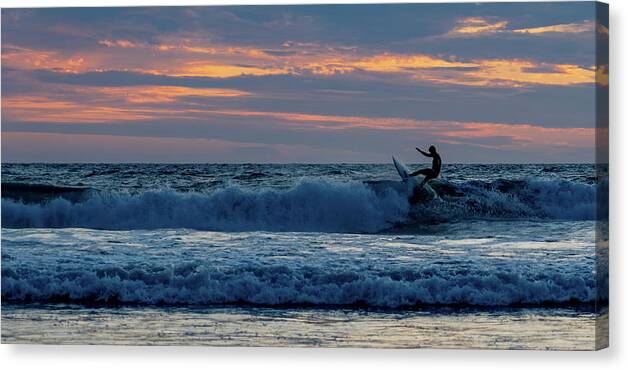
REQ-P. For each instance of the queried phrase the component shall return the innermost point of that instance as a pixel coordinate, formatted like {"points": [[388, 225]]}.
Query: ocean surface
{"points": [[493, 256]]}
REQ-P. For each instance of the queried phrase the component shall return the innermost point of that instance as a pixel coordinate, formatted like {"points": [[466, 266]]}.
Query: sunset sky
{"points": [[501, 82]]}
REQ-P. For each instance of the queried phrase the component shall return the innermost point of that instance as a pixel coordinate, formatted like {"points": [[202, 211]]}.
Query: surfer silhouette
{"points": [[429, 173]]}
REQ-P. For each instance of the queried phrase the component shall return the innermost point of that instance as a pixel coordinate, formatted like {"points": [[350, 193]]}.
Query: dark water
{"points": [[201, 177]]}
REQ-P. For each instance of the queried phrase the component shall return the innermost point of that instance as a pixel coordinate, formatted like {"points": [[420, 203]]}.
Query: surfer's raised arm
{"points": [[424, 153]]}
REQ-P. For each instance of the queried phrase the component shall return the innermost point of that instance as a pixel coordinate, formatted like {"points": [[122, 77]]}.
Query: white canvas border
{"points": [[184, 358]]}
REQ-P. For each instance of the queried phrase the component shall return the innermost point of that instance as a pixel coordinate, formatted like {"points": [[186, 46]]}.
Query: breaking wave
{"points": [[310, 205], [191, 283]]}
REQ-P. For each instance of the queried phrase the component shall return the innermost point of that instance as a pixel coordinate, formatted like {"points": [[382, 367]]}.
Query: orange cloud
{"points": [[204, 69], [165, 94], [181, 58], [43, 109], [586, 26], [220, 61], [382, 63], [401, 63], [487, 72], [118, 43], [474, 26], [189, 46], [471, 27], [106, 104], [518, 73], [490, 72], [24, 58]]}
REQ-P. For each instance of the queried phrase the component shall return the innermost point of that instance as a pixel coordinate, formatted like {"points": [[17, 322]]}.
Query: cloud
{"points": [[490, 72], [166, 94], [546, 105], [184, 56], [388, 63], [108, 104], [118, 43], [520, 73], [14, 56], [204, 69], [585, 26], [45, 109], [478, 27], [475, 26], [483, 134], [191, 57], [314, 75]]}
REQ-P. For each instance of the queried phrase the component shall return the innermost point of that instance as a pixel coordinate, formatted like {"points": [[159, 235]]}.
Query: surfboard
{"points": [[401, 169], [418, 193]]}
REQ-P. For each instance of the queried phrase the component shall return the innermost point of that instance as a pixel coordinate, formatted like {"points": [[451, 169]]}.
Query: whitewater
{"points": [[303, 244], [309, 204]]}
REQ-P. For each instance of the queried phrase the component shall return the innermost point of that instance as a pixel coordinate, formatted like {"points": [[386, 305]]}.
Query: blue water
{"points": [[303, 235]]}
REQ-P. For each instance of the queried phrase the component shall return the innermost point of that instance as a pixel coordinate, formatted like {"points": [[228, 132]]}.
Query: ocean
{"points": [[343, 255]]}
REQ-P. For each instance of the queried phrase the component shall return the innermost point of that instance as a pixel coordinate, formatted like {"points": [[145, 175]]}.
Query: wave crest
{"points": [[311, 205], [314, 205], [192, 283]]}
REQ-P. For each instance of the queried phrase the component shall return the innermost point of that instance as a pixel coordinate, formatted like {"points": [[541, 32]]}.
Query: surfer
{"points": [[429, 173]]}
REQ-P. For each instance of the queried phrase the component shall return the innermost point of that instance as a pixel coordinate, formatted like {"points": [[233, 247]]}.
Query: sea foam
{"points": [[310, 205], [191, 283]]}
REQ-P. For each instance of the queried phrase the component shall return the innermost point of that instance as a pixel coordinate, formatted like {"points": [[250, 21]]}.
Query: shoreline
{"points": [[529, 329]]}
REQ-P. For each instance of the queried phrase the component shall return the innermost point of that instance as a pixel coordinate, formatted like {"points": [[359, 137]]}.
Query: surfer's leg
{"points": [[425, 172], [429, 175]]}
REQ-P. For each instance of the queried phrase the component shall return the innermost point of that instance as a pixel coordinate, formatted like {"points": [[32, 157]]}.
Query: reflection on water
{"points": [[554, 329]]}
